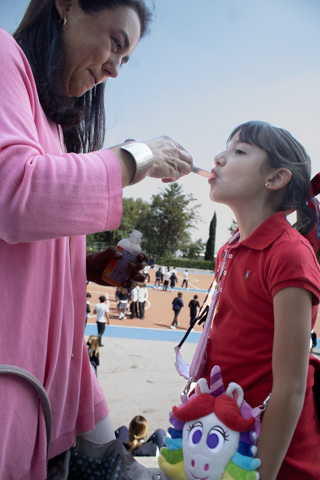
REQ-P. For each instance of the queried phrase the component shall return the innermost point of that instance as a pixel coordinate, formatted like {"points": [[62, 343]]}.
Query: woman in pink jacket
{"points": [[56, 186]]}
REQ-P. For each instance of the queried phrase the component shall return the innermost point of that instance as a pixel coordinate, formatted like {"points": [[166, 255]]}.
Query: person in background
{"points": [[93, 351], [163, 271], [88, 309], [177, 304], [135, 438], [157, 282], [185, 279], [166, 279], [134, 301], [57, 184], [270, 289], [193, 305], [173, 278], [146, 273], [142, 298], [124, 297], [102, 311]]}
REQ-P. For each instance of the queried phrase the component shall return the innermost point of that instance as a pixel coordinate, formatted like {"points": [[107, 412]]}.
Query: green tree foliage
{"points": [[233, 227], [168, 221], [132, 212], [165, 222], [193, 249], [211, 243]]}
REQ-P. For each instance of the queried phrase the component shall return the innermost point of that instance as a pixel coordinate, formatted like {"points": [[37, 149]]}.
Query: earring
{"points": [[266, 184], [63, 22]]}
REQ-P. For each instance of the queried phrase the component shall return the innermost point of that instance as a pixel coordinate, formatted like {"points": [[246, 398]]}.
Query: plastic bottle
{"points": [[118, 270]]}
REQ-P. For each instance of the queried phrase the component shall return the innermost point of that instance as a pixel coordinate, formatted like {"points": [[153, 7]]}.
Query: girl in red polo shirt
{"points": [[270, 294]]}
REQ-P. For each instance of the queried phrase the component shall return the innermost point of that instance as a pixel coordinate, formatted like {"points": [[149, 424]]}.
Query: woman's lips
{"points": [[93, 78]]}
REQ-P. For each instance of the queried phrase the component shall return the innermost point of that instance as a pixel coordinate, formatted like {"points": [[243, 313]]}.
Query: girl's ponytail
{"points": [[306, 218], [313, 204]]}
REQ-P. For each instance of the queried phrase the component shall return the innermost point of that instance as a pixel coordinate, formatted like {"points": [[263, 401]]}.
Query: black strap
{"points": [[201, 318]]}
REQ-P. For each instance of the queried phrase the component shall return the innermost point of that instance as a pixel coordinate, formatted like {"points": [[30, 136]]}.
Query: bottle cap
{"points": [[136, 234]]}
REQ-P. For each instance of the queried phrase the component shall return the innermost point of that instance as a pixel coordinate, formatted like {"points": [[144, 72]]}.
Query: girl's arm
{"points": [[290, 358]]}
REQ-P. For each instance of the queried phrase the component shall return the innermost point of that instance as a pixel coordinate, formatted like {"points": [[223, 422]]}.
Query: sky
{"points": [[206, 67]]}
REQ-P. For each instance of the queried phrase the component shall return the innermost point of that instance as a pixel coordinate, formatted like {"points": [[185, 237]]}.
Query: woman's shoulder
{"points": [[9, 46], [13, 58]]}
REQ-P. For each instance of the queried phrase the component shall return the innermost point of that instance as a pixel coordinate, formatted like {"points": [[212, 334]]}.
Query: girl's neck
{"points": [[249, 221]]}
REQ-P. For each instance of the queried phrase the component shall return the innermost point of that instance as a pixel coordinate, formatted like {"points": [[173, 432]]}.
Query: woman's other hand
{"points": [[97, 261]]}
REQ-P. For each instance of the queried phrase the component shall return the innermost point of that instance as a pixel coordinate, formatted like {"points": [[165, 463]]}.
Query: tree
{"points": [[193, 249], [233, 227], [168, 221], [132, 212], [210, 247]]}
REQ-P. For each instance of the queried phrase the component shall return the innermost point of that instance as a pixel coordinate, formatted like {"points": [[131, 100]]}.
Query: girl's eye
{"points": [[239, 152]]}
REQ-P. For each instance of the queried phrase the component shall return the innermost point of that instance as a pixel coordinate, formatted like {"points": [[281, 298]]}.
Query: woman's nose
{"points": [[112, 66]]}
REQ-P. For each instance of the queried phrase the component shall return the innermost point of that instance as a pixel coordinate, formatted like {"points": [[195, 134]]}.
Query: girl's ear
{"points": [[279, 179]]}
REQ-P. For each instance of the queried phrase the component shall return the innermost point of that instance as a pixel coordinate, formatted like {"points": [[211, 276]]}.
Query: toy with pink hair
{"points": [[213, 435]]}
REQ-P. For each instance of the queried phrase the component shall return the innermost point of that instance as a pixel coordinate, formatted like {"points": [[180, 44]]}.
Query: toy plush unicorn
{"points": [[213, 435]]}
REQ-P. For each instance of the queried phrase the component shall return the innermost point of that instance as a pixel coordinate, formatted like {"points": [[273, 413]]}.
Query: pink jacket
{"points": [[46, 196]]}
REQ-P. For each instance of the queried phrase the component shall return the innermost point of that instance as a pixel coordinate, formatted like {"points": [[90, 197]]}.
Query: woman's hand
{"points": [[97, 261], [170, 160]]}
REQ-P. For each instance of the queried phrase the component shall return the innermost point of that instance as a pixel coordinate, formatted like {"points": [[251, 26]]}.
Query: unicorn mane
{"points": [[243, 464]]}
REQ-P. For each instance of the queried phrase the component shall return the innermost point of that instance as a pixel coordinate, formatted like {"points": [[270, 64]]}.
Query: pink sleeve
{"points": [[45, 193]]}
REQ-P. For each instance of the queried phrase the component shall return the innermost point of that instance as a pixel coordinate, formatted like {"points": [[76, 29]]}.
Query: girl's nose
{"points": [[219, 159]]}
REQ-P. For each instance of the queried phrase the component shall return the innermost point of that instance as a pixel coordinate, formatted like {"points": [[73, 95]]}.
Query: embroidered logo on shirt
{"points": [[246, 276]]}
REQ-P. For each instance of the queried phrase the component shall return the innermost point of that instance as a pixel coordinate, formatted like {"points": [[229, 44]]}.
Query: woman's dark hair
{"points": [[39, 35], [283, 151]]}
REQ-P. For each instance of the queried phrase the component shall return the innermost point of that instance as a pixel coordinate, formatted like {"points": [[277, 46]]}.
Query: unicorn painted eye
{"points": [[195, 435], [216, 439]]}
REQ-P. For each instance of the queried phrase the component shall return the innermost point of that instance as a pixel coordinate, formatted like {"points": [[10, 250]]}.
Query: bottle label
{"points": [[119, 270]]}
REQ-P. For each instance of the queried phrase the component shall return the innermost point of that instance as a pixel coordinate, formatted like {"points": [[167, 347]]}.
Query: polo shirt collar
{"points": [[267, 232]]}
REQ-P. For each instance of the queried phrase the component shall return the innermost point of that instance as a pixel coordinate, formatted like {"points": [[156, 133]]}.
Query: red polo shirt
{"points": [[273, 257]]}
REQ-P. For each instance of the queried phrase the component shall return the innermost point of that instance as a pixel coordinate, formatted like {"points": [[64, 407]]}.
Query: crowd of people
{"points": [[132, 302]]}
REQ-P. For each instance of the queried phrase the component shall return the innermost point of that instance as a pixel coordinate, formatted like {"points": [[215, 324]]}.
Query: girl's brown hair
{"points": [[93, 346], [283, 151], [138, 430]]}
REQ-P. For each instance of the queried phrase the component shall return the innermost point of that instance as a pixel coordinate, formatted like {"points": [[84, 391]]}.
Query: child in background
{"points": [[177, 304], [102, 311], [185, 279], [88, 309], [93, 351], [193, 305], [270, 294], [135, 439]]}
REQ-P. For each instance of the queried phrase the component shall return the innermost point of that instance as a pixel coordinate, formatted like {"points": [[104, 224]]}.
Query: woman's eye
{"points": [[117, 44]]}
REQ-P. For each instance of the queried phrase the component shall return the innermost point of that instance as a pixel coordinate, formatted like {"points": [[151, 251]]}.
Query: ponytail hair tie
{"points": [[314, 235]]}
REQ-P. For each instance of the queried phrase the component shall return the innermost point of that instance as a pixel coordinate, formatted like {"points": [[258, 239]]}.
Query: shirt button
{"points": [[230, 255]]}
